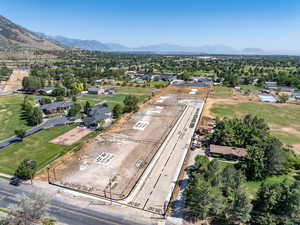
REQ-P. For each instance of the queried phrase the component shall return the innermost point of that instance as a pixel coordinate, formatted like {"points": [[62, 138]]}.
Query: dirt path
{"points": [[15, 80]]}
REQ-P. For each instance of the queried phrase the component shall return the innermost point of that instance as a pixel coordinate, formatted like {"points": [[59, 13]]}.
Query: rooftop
{"points": [[226, 150], [56, 105]]}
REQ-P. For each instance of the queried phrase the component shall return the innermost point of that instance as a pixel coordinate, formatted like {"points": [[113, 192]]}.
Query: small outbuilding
{"points": [[95, 91], [231, 153]]}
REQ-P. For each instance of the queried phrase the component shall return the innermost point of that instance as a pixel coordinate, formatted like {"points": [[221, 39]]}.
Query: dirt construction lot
{"points": [[71, 136], [111, 164]]}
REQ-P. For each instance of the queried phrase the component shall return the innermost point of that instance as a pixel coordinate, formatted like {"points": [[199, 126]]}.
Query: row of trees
{"points": [[32, 114], [217, 194], [32, 83]]}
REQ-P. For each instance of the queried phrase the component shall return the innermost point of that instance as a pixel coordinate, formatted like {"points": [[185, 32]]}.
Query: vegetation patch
{"points": [[11, 115], [35, 147], [222, 92]]}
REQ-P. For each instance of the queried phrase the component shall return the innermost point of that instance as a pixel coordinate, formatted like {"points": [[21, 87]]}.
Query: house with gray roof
{"points": [[95, 91], [97, 113], [56, 107], [46, 90]]}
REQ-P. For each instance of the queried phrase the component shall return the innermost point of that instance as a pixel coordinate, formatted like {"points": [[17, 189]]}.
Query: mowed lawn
{"points": [[279, 115], [10, 115], [36, 147]]}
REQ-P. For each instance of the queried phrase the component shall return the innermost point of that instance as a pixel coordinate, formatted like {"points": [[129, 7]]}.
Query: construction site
{"points": [[136, 163]]}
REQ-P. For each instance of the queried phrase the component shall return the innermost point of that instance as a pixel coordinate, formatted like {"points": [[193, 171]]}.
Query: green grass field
{"points": [[35, 147], [222, 92], [135, 90], [250, 88], [278, 115], [120, 97], [10, 115], [282, 115]]}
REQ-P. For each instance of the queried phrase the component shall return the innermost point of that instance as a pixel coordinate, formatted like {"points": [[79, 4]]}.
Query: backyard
{"points": [[35, 147]]}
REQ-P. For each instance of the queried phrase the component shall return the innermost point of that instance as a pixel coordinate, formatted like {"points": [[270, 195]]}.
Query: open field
{"points": [[35, 147], [222, 92], [71, 136], [11, 115], [118, 156], [283, 119], [135, 90]]}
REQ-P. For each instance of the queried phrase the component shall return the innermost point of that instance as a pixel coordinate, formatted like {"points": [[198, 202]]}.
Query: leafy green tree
{"points": [[20, 133], [35, 117], [87, 107], [240, 211], [44, 101], [59, 98], [32, 83], [74, 110], [282, 98], [26, 170], [117, 111], [131, 103], [203, 200]]}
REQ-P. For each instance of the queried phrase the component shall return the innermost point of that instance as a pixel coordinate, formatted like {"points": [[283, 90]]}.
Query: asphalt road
{"points": [[155, 193], [62, 211], [56, 121]]}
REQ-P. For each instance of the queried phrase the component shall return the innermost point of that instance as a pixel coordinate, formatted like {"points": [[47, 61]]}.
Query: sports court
{"points": [[71, 136]]}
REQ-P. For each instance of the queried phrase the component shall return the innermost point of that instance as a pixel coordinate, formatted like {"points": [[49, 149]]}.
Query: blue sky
{"points": [[268, 24]]}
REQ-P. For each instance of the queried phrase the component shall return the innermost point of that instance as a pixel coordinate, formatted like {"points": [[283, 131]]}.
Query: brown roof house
{"points": [[227, 152]]}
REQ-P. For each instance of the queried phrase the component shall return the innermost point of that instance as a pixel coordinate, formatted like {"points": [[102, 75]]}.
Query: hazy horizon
{"points": [[265, 24]]}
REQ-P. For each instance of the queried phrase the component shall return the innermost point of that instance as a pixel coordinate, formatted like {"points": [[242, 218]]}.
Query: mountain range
{"points": [[13, 36], [95, 45]]}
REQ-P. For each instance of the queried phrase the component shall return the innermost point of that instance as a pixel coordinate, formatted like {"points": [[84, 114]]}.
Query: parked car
{"points": [[16, 181]]}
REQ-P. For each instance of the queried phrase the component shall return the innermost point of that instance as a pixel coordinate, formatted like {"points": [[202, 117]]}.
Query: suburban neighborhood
{"points": [[104, 133]]}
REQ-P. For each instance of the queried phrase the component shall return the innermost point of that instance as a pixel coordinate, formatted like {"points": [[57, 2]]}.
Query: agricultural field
{"points": [[11, 115], [35, 147]]}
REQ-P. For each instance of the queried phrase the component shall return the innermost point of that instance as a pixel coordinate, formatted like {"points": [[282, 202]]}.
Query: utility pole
{"points": [[110, 180]]}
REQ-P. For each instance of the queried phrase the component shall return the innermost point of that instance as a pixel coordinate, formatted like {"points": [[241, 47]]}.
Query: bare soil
{"points": [[15, 80], [132, 151], [71, 136]]}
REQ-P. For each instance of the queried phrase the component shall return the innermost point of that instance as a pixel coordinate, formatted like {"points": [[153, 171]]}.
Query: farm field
{"points": [[11, 115], [35, 147]]}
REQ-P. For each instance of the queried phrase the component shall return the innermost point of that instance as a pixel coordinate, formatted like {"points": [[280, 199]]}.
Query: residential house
{"points": [[56, 107], [296, 95], [231, 153], [271, 85], [285, 91], [46, 90], [97, 113], [95, 91]]}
